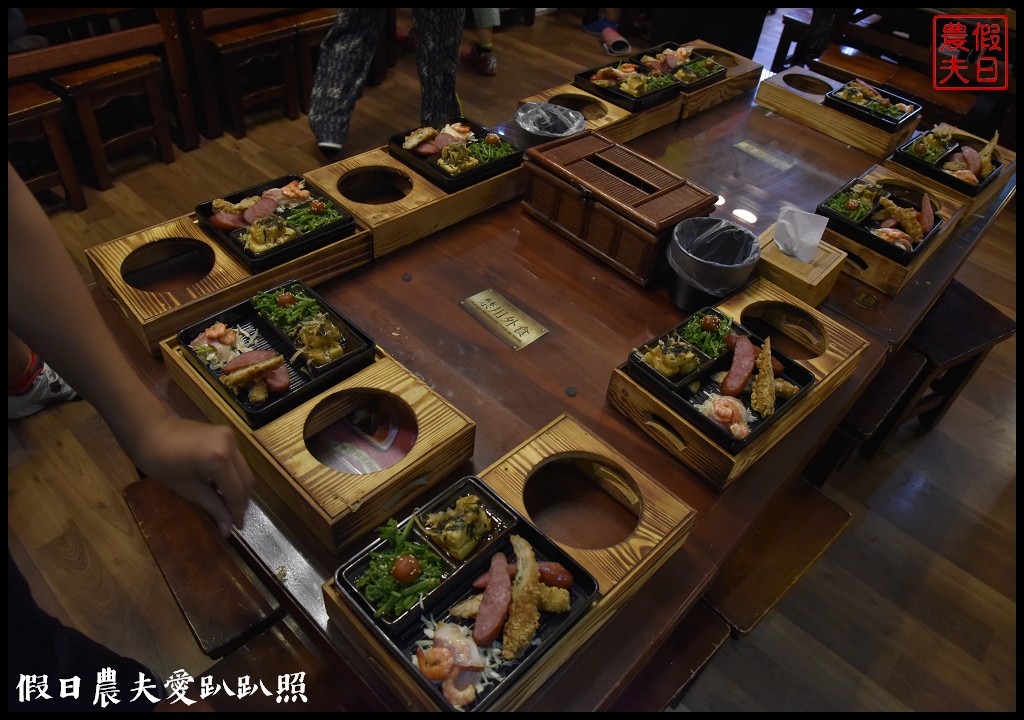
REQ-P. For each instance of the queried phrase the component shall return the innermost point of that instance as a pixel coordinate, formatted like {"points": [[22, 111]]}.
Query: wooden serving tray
{"points": [[339, 507], [879, 271], [663, 523], [612, 121], [187, 275], [399, 205], [799, 94], [970, 203], [830, 352], [742, 74]]}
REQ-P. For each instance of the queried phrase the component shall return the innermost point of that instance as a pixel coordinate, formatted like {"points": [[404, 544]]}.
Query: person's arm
{"points": [[50, 308]]}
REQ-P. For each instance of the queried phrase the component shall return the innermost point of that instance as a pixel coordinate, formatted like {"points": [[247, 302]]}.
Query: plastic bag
{"points": [[550, 121], [714, 255]]}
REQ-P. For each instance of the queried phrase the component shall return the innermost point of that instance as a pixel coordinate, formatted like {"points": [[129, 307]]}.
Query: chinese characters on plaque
{"points": [[970, 52]]}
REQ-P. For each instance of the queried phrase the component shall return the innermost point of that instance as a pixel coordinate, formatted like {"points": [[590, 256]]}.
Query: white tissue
{"points": [[797, 233]]}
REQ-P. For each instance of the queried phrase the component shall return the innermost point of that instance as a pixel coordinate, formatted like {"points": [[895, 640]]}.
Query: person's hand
{"points": [[200, 462]]}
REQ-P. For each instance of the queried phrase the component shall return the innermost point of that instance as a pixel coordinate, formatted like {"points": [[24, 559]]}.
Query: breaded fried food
{"points": [[785, 389], [467, 608], [248, 375], [523, 613], [762, 397], [906, 217], [553, 599]]}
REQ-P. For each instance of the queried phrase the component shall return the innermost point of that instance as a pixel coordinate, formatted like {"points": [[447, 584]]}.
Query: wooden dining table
{"points": [[409, 302]]}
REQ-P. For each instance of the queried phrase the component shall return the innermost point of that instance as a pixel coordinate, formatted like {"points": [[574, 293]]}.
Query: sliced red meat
{"points": [[730, 340], [552, 574], [264, 207], [277, 380], [490, 618], [443, 140], [246, 359], [227, 221], [426, 149]]}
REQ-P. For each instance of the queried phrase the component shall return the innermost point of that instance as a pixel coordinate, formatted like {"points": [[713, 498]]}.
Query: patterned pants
{"points": [[347, 52]]}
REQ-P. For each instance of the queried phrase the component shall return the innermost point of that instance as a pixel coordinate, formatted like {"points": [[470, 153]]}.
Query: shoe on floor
{"points": [[330, 151], [485, 63], [598, 26], [48, 389]]}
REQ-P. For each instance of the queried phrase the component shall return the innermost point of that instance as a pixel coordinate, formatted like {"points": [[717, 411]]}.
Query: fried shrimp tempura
{"points": [[248, 375], [762, 397], [906, 217], [523, 613]]}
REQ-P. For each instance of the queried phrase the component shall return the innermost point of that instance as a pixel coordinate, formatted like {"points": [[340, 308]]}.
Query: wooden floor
{"points": [[913, 607]]}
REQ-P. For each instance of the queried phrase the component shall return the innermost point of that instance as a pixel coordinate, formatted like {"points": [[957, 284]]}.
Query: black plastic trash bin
{"points": [[711, 258]]}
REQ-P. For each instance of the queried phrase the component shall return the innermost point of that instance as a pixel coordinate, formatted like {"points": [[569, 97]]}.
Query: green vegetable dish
{"points": [[706, 331], [312, 216], [390, 597], [287, 308], [856, 202], [490, 148]]}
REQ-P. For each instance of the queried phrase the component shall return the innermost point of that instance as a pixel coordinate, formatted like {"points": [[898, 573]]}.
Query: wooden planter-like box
{"points": [[335, 505], [613, 202], [811, 282], [662, 524], [828, 350], [799, 94]]}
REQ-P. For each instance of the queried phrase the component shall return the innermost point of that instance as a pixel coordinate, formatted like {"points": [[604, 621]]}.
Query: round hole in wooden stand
{"points": [[591, 108], [807, 83], [360, 431], [582, 500], [793, 331], [374, 185], [168, 264], [722, 58]]}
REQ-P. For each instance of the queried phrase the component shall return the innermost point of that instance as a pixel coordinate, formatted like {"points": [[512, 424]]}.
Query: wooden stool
{"points": [[310, 30], [239, 47], [93, 88], [954, 338], [33, 112]]}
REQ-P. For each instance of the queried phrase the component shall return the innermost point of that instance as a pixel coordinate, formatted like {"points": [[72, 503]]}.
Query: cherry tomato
{"points": [[406, 569], [316, 207], [851, 205], [710, 323], [286, 299]]}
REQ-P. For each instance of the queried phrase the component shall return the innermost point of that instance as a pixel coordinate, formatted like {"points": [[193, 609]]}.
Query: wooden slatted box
{"points": [[663, 523], [829, 351], [742, 74], [799, 94], [399, 205], [173, 274], [339, 506], [613, 202], [811, 282]]}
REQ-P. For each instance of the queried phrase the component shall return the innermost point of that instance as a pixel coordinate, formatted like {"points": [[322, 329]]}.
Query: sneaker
{"points": [[598, 26], [48, 389], [484, 62], [330, 151]]}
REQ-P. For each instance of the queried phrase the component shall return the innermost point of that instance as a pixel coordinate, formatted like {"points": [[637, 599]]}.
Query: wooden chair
{"points": [[91, 89], [955, 337], [311, 28], [34, 114]]}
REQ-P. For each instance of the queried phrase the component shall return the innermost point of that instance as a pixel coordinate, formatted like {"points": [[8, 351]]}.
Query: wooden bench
{"points": [[34, 113], [91, 89]]}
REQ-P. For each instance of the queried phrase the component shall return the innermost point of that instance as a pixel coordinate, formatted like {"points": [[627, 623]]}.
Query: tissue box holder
{"points": [[811, 282]]}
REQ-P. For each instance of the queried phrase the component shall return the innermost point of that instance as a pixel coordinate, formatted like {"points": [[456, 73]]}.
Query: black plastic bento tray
{"points": [[863, 113], [625, 100], [428, 167], [695, 56], [306, 380], [399, 638], [934, 170], [300, 245], [681, 398], [861, 231]]}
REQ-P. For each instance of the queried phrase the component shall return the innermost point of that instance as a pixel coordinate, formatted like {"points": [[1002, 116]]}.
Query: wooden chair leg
{"points": [[93, 141], [161, 127], [233, 88], [65, 164]]}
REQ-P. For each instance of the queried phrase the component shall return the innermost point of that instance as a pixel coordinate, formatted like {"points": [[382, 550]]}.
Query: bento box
{"points": [[457, 154], [613, 202], [940, 157], [275, 221], [341, 460], [874, 260], [443, 595], [693, 68], [720, 438], [689, 368], [268, 354], [624, 526], [809, 98], [629, 85], [880, 108]]}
